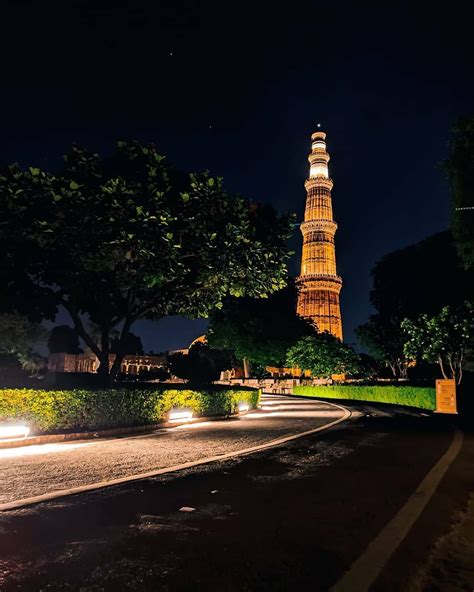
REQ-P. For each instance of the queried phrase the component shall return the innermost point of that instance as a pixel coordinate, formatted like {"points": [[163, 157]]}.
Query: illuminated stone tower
{"points": [[319, 285]]}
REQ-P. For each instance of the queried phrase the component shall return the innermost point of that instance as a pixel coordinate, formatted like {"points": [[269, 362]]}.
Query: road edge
{"points": [[365, 570]]}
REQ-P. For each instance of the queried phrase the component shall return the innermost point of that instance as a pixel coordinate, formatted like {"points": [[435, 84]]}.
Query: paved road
{"points": [[37, 470], [292, 517]]}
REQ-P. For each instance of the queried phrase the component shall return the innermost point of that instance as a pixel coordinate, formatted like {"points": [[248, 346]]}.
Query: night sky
{"points": [[238, 88]]}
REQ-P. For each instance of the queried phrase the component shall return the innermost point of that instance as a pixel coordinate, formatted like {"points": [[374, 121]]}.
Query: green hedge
{"points": [[49, 411], [412, 396]]}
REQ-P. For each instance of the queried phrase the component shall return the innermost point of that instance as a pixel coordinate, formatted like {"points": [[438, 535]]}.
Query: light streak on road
{"points": [[39, 449]]}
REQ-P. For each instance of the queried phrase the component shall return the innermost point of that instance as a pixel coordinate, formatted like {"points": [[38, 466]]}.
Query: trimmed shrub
{"points": [[82, 410], [411, 396]]}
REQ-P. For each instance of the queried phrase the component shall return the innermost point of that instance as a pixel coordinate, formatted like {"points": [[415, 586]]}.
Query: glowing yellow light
{"points": [[41, 449], [193, 426], [319, 169], [180, 415], [13, 431], [243, 407]]}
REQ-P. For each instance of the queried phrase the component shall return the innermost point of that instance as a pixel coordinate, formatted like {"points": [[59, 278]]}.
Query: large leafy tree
{"points": [[259, 331], [385, 341], [419, 279], [460, 167], [324, 355], [442, 338], [125, 238]]}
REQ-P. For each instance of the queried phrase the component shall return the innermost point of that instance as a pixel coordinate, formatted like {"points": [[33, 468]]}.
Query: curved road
{"points": [[367, 502], [48, 468]]}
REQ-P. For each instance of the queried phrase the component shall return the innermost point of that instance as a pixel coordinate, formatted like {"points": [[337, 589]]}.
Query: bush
{"points": [[81, 410], [412, 396]]}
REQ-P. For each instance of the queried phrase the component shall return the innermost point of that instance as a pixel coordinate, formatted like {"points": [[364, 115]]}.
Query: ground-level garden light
{"points": [[177, 415], [13, 431], [243, 407]]}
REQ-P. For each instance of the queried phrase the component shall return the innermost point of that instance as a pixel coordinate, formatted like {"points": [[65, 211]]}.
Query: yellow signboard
{"points": [[446, 396]]}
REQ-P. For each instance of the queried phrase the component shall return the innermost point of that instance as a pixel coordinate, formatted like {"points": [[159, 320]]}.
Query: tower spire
{"points": [[319, 285]]}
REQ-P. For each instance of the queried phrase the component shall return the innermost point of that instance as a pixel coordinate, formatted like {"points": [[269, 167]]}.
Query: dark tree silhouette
{"points": [[63, 339], [131, 345], [202, 364], [419, 279], [460, 167]]}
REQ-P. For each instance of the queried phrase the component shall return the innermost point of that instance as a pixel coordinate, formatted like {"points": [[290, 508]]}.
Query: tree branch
{"points": [[79, 326]]}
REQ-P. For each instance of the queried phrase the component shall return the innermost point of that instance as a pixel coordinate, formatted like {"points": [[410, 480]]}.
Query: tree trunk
{"points": [[117, 364], [246, 364], [114, 370], [459, 365], [403, 368], [440, 362], [79, 327], [104, 365], [106, 372], [399, 369]]}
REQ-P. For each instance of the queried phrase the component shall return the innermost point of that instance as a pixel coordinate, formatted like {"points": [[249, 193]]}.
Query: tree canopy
{"points": [[126, 237], [259, 330], [324, 355], [442, 338], [421, 278], [384, 340], [19, 337], [460, 167]]}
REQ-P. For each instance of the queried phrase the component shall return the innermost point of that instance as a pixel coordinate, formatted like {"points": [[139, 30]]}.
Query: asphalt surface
{"points": [[36, 470], [292, 517]]}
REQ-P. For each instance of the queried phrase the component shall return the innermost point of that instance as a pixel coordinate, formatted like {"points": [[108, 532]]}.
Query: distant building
{"points": [[131, 364], [319, 285], [88, 362]]}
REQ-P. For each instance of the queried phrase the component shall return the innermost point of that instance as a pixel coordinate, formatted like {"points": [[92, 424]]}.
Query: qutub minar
{"points": [[319, 285]]}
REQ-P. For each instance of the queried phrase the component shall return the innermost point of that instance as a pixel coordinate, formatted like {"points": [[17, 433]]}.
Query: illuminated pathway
{"points": [[364, 502], [38, 470]]}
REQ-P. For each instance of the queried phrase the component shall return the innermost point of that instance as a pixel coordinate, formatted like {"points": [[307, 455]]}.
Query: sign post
{"points": [[446, 396]]}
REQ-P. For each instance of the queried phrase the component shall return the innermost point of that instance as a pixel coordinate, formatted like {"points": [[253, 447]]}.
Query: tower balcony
{"points": [[319, 225], [318, 155], [319, 281], [318, 181]]}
